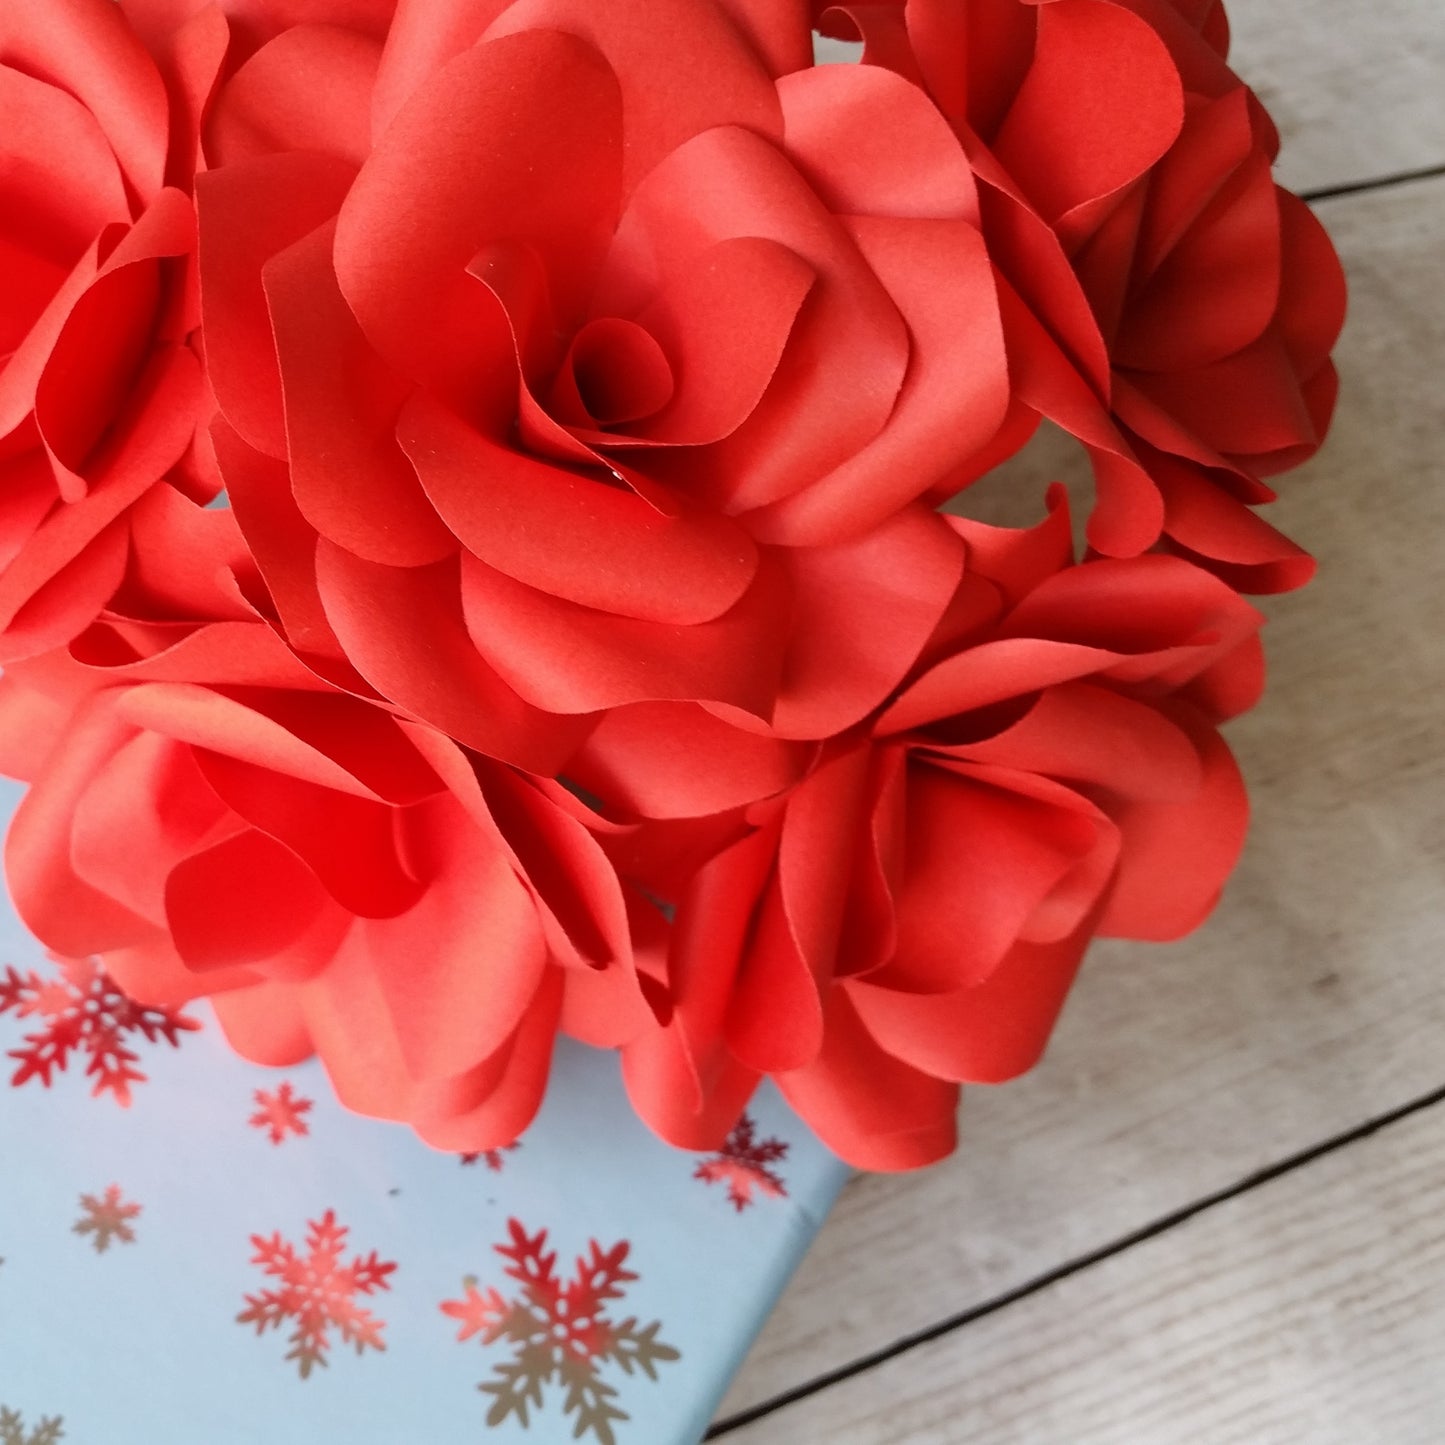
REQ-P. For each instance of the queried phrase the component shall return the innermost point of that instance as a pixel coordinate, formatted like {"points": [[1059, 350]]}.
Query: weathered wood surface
{"points": [[1315, 1000], [1357, 87], [1308, 1311]]}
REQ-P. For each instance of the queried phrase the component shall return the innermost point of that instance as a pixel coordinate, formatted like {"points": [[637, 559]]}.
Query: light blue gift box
{"points": [[140, 1343]]}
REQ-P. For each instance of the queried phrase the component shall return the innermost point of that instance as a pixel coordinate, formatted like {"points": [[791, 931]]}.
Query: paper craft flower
{"points": [[910, 916], [470, 558], [704, 360], [335, 880], [99, 395], [1165, 300]]}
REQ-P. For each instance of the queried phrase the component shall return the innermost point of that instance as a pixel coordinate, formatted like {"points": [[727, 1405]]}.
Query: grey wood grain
{"points": [[1309, 1311]]}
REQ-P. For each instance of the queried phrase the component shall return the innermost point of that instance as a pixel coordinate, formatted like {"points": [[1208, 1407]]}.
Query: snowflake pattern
{"points": [[494, 1157], [559, 1331], [280, 1113], [81, 1010], [744, 1163], [317, 1292], [106, 1219], [13, 1431]]}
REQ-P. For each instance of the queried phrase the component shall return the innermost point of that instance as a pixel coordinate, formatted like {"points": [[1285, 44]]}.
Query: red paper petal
{"points": [[643, 39], [644, 761], [980, 861], [985, 1034], [862, 612], [492, 1115], [873, 145], [482, 154], [874, 1111], [349, 843], [953, 400], [724, 316], [575, 537], [239, 901], [460, 969], [89, 48], [349, 476], [1177, 856], [845, 361], [780, 31], [64, 912], [248, 212], [1100, 104], [265, 1024], [151, 794], [403, 629], [281, 540], [308, 90], [572, 659]]}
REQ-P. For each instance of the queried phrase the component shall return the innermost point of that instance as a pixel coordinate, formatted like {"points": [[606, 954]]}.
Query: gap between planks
{"points": [[1163, 1225]]}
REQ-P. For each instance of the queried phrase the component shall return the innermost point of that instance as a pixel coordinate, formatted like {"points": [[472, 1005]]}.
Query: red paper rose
{"points": [[334, 879], [1165, 301], [99, 397], [581, 648], [618, 400], [910, 916]]}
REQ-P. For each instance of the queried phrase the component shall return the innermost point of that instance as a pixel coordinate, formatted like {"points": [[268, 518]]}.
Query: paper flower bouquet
{"points": [[473, 564]]}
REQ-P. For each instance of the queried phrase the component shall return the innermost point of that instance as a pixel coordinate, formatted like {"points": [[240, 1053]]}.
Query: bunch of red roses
{"points": [[470, 558]]}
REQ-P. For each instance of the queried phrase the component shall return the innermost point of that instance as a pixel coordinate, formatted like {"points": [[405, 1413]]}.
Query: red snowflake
{"points": [[280, 1113], [743, 1162], [559, 1331], [492, 1156], [84, 1012], [317, 1292], [106, 1218]]}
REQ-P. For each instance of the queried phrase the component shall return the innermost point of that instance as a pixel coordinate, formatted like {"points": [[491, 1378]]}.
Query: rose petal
{"points": [[984, 1034], [483, 153], [1100, 104], [847, 353], [872, 1110], [723, 317], [643, 760], [862, 612], [149, 793], [571, 659], [88, 48], [349, 476], [403, 629], [873, 145], [980, 860], [574, 537], [60, 909], [955, 395], [239, 901], [1176, 856], [265, 1024], [349, 843], [459, 970], [248, 213], [643, 39], [307, 90]]}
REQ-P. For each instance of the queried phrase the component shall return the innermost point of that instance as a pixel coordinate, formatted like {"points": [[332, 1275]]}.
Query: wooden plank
{"points": [[1315, 998], [1355, 89], [1310, 1309]]}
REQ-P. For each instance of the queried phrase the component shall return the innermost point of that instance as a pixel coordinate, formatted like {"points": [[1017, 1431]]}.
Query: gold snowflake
{"points": [[13, 1431], [107, 1219]]}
